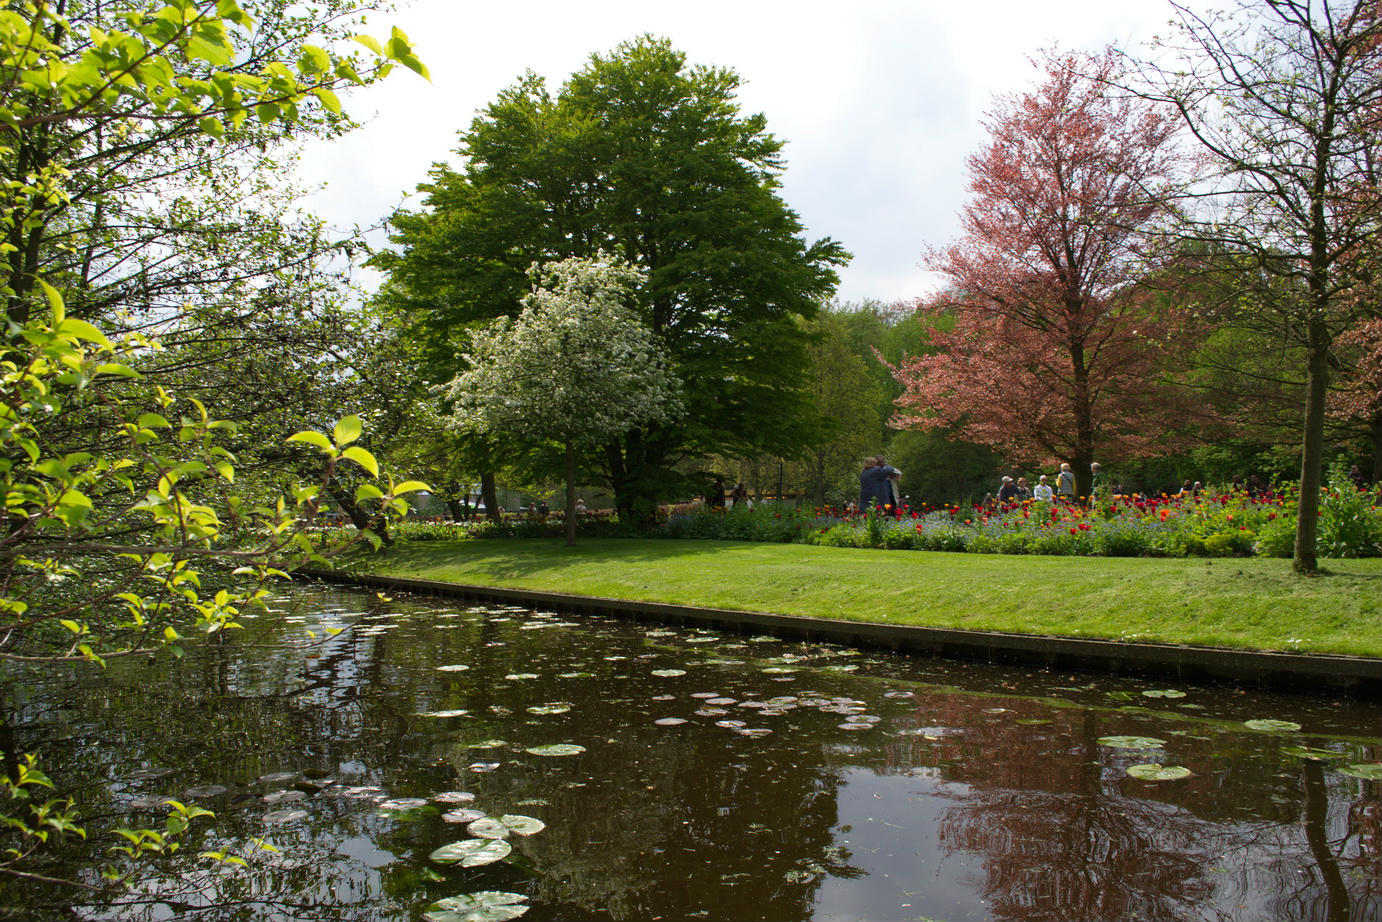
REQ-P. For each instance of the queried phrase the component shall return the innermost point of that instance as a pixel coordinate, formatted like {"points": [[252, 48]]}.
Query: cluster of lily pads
{"points": [[488, 843], [1155, 771]]}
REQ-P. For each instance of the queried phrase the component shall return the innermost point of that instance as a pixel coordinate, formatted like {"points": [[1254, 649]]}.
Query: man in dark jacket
{"points": [[874, 486]]}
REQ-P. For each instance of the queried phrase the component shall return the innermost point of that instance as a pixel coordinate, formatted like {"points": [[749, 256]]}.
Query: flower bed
{"points": [[1219, 525]]}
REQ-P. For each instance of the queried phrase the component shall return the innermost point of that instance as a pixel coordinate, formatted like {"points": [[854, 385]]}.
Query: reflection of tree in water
{"points": [[1062, 833], [649, 821]]}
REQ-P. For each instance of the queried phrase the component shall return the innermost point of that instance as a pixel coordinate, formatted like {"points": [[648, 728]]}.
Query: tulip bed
{"points": [[1208, 525]]}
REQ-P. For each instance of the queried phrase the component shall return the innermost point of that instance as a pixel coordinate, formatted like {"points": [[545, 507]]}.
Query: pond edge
{"points": [[1354, 676]]}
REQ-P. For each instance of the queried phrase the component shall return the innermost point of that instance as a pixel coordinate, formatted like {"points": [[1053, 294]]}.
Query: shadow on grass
{"points": [[527, 557]]}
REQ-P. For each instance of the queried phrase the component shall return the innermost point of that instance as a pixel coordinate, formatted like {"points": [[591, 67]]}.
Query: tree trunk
{"points": [[570, 494], [490, 495], [1084, 423], [1375, 430], [1312, 448], [362, 520]]}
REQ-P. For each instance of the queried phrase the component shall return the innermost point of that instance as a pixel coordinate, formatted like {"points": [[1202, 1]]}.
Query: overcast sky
{"points": [[878, 101]]}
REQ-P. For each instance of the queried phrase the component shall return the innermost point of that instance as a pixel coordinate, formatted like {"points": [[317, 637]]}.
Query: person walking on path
{"points": [[875, 485]]}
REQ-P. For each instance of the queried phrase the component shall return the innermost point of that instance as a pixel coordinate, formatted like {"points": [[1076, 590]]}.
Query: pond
{"points": [[622, 770]]}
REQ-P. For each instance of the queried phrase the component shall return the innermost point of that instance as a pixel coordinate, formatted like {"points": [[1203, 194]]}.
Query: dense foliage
{"points": [[641, 155]]}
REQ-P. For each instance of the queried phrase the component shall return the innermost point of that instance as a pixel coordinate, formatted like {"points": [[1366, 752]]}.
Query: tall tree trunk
{"points": [[1312, 448], [570, 494], [1084, 422], [490, 494], [1375, 430]]}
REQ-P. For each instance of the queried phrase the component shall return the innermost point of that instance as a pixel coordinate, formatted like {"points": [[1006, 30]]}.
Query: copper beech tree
{"points": [[1045, 345]]}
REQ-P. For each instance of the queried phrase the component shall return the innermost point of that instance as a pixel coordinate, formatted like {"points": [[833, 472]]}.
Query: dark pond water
{"points": [[697, 775]]}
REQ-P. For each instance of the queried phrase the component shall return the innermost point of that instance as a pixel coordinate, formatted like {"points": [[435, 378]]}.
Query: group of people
{"points": [[1063, 490], [716, 498]]}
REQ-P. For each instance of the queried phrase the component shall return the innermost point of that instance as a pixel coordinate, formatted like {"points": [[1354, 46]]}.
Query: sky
{"points": [[879, 101]]}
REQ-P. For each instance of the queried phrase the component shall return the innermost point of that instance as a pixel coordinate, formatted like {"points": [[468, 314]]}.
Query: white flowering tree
{"points": [[576, 367]]}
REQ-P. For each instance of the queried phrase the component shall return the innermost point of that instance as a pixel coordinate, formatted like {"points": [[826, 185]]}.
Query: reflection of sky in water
{"points": [[892, 822], [869, 786]]}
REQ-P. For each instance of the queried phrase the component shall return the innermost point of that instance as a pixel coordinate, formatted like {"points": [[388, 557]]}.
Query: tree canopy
{"points": [[643, 156], [1054, 352]]}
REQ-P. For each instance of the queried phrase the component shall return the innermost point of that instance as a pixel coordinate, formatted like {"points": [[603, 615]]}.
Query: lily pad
{"points": [[1163, 693], [403, 804], [556, 749], [454, 712], [488, 827], [453, 797], [519, 676], [1366, 771], [277, 777], [279, 817], [668, 673], [1131, 742], [463, 815], [206, 790], [1153, 772], [1276, 726], [670, 721], [454, 667], [472, 853], [500, 827], [485, 906], [484, 766], [1309, 752], [549, 709], [288, 796]]}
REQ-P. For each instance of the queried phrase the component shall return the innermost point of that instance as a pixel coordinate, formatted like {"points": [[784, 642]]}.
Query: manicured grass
{"points": [[1250, 603]]}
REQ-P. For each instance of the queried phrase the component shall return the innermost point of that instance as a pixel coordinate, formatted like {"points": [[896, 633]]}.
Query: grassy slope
{"points": [[1251, 603]]}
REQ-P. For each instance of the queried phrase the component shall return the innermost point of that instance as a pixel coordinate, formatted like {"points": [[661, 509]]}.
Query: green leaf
{"points": [[54, 302], [328, 99], [348, 430], [409, 486], [115, 368], [370, 42], [312, 437], [363, 458], [80, 329]]}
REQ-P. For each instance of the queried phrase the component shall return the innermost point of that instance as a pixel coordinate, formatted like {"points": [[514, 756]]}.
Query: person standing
{"points": [[875, 485], [1008, 491], [1065, 484], [1096, 482], [1024, 491], [740, 495], [715, 499], [1042, 492]]}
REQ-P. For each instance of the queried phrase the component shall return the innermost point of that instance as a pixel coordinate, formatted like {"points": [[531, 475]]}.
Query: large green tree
{"points": [[642, 155]]}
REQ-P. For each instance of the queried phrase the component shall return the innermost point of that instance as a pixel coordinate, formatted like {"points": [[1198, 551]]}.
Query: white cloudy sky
{"points": [[879, 101]]}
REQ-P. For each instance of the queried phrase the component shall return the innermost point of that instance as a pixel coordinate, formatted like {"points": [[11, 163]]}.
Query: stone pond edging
{"points": [[1355, 676]]}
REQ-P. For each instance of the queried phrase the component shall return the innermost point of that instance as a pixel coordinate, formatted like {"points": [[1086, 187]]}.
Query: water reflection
{"points": [[712, 777]]}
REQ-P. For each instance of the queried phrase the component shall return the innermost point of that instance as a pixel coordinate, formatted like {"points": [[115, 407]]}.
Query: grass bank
{"points": [[1250, 603]]}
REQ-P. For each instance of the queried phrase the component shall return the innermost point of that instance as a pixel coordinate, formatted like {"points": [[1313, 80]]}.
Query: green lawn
{"points": [[1248, 603]]}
